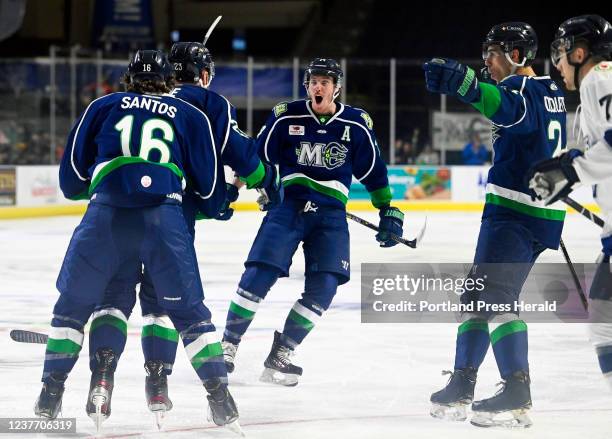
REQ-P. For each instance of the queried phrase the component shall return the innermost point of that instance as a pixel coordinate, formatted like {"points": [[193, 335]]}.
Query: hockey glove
{"points": [[231, 195], [448, 77], [552, 179], [391, 222], [270, 189]]}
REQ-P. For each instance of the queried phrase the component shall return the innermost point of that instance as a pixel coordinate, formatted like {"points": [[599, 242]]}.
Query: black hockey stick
{"points": [[583, 211], [410, 243], [583, 298], [22, 336]]}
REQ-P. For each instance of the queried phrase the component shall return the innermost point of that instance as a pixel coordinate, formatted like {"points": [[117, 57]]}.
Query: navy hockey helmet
{"points": [[325, 67], [189, 59], [592, 30], [149, 65], [510, 36]]}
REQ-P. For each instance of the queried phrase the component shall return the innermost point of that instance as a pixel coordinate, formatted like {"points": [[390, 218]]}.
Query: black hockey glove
{"points": [[231, 195], [448, 77], [270, 189], [551, 180], [391, 222]]}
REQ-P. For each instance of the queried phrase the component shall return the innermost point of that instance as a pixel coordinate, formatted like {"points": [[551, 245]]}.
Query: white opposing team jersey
{"points": [[595, 116]]}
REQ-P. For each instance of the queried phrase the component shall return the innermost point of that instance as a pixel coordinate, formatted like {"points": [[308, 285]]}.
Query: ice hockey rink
{"points": [[360, 380]]}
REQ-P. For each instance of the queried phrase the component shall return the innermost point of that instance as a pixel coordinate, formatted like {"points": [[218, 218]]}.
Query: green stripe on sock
{"points": [[507, 329], [473, 325], [160, 332], [242, 312], [63, 346], [211, 350], [301, 320], [109, 320]]}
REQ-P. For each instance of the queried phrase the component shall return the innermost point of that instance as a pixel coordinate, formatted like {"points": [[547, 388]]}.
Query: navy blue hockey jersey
{"points": [[317, 159], [238, 150], [529, 121], [140, 149]]}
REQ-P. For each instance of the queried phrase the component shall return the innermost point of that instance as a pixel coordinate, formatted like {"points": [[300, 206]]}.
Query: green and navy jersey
{"points": [[528, 115], [140, 149], [319, 155], [237, 150]]}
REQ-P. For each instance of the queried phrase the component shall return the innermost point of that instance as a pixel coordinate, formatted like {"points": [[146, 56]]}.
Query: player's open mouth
{"points": [[318, 100]]}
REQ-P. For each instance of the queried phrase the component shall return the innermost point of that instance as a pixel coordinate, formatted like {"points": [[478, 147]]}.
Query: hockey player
{"points": [[132, 153], [528, 117], [582, 52], [194, 71], [319, 144]]}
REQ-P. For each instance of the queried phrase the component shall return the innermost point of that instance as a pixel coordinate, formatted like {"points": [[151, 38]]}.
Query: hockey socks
{"points": [[300, 321], [66, 336], [108, 330], [255, 283], [159, 340], [472, 344], [240, 315], [509, 342]]}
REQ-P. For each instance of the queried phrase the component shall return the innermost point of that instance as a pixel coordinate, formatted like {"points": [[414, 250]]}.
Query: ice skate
{"points": [[222, 409], [101, 387], [49, 402], [508, 408], [278, 367], [156, 390], [451, 402], [229, 353]]}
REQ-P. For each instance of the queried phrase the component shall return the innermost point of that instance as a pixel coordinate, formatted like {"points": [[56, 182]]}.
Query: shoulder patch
{"points": [[603, 67], [368, 120], [280, 109]]}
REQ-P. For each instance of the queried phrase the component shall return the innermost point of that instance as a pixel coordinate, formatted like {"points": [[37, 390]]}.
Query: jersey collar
{"points": [[339, 109]]}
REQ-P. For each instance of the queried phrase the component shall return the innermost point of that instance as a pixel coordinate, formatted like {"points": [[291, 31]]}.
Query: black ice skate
{"points": [[156, 390], [508, 408], [229, 353], [49, 402], [222, 409], [101, 386], [278, 367], [451, 402]]}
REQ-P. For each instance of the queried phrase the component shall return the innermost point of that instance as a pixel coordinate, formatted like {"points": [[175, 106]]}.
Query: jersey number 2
{"points": [[554, 133], [147, 141]]}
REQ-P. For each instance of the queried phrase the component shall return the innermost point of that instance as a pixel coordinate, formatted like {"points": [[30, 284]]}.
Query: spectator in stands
{"points": [[428, 156], [475, 152], [404, 152]]}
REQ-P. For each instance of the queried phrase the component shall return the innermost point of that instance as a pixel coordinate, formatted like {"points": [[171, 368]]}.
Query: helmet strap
{"points": [[577, 66], [514, 65]]}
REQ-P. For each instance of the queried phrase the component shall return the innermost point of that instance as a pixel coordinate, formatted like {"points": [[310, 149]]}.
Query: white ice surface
{"points": [[360, 380]]}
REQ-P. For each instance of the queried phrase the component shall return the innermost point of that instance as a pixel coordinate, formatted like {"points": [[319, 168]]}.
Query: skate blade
{"points": [[456, 412], [235, 428], [160, 416], [519, 419], [280, 378], [98, 400]]}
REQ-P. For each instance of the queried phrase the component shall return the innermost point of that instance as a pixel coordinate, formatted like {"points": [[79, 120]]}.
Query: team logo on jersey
{"points": [[296, 130], [320, 155], [280, 109], [368, 120], [553, 86]]}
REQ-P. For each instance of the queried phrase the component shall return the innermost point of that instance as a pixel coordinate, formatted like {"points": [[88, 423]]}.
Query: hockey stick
{"points": [[583, 211], [211, 29], [583, 298], [410, 243], [22, 336]]}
